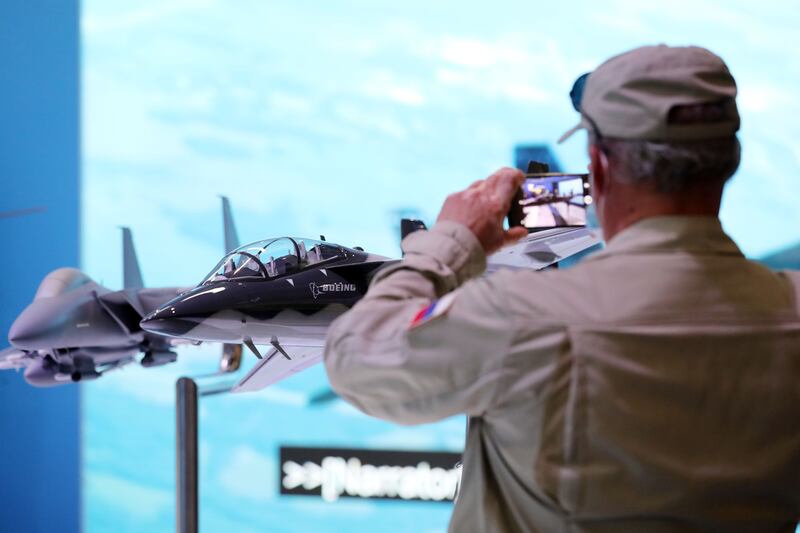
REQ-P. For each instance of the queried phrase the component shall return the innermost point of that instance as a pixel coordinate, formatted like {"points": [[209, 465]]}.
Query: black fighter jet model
{"points": [[285, 292], [76, 329], [280, 292]]}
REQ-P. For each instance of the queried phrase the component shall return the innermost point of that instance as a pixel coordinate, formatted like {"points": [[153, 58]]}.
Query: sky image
{"points": [[338, 118]]}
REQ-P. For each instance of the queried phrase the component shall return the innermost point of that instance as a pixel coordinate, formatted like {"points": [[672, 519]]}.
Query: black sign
{"points": [[334, 473]]}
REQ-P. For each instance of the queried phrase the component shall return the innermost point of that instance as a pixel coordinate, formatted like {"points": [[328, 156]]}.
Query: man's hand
{"points": [[483, 206]]}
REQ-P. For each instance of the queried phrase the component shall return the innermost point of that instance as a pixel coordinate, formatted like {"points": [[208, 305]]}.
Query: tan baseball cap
{"points": [[631, 95]]}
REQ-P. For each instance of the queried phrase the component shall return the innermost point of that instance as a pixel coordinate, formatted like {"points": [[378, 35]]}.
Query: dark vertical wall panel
{"points": [[39, 168]]}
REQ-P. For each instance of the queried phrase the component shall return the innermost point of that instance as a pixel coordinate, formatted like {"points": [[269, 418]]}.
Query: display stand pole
{"points": [[186, 455]]}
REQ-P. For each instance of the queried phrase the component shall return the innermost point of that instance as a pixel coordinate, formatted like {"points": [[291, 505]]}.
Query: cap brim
{"points": [[579, 126]]}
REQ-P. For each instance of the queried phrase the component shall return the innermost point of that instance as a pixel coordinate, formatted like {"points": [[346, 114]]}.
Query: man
{"points": [[653, 387]]}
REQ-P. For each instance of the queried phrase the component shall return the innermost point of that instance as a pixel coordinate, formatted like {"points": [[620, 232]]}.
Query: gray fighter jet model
{"points": [[76, 329], [285, 292]]}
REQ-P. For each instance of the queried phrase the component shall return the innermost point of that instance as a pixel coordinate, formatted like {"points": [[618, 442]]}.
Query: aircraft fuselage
{"points": [[296, 308]]}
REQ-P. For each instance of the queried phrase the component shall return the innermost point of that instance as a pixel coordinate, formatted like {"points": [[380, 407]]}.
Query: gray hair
{"points": [[672, 167]]}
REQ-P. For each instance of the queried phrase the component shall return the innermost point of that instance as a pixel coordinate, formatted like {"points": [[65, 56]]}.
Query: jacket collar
{"points": [[695, 234]]}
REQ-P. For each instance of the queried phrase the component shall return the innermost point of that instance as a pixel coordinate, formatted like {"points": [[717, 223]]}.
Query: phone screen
{"points": [[551, 200]]}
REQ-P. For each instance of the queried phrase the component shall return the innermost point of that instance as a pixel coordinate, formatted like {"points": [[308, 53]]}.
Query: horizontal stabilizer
{"points": [[275, 367], [132, 275], [544, 248], [409, 226]]}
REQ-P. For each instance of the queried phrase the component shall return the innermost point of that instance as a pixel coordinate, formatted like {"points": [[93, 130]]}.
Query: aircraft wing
{"points": [[275, 366], [14, 358], [544, 248]]}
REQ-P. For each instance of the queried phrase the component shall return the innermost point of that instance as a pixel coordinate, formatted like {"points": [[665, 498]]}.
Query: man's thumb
{"points": [[514, 234]]}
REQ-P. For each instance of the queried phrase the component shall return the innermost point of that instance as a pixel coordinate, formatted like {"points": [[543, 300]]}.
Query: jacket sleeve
{"points": [[448, 364]]}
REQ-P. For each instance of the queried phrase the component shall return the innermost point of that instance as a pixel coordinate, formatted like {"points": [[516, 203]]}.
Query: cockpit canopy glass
{"points": [[273, 258]]}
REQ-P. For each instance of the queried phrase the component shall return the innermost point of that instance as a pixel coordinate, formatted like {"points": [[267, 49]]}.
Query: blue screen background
{"points": [[338, 118]]}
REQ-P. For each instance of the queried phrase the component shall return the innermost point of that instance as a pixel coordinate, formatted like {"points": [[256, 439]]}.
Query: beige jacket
{"points": [[653, 387]]}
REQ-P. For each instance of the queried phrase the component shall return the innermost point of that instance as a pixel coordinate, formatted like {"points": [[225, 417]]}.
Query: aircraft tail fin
{"points": [[410, 225], [132, 275], [231, 236]]}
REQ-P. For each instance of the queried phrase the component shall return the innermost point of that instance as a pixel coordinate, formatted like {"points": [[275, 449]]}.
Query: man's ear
{"points": [[599, 168]]}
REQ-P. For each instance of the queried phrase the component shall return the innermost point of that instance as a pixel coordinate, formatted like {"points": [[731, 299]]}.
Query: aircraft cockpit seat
{"points": [[303, 254], [287, 264], [314, 255], [272, 269]]}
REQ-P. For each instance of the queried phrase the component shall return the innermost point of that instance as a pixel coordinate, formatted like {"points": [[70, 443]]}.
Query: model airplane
{"points": [[76, 329], [285, 292]]}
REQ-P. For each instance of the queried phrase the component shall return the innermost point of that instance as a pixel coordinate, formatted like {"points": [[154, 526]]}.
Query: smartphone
{"points": [[551, 200]]}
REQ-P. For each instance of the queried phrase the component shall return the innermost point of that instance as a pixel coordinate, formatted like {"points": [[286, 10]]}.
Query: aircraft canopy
{"points": [[273, 258]]}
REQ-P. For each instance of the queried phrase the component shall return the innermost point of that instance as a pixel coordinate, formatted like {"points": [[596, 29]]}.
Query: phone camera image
{"points": [[553, 200]]}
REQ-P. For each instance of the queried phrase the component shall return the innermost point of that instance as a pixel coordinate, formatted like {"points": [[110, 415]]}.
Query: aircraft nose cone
{"points": [[19, 332], [29, 330]]}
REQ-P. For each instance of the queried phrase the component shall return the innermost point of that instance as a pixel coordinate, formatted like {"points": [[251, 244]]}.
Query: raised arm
{"points": [[426, 342]]}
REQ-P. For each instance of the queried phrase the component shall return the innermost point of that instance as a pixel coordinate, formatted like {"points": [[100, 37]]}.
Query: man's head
{"points": [[662, 125]]}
